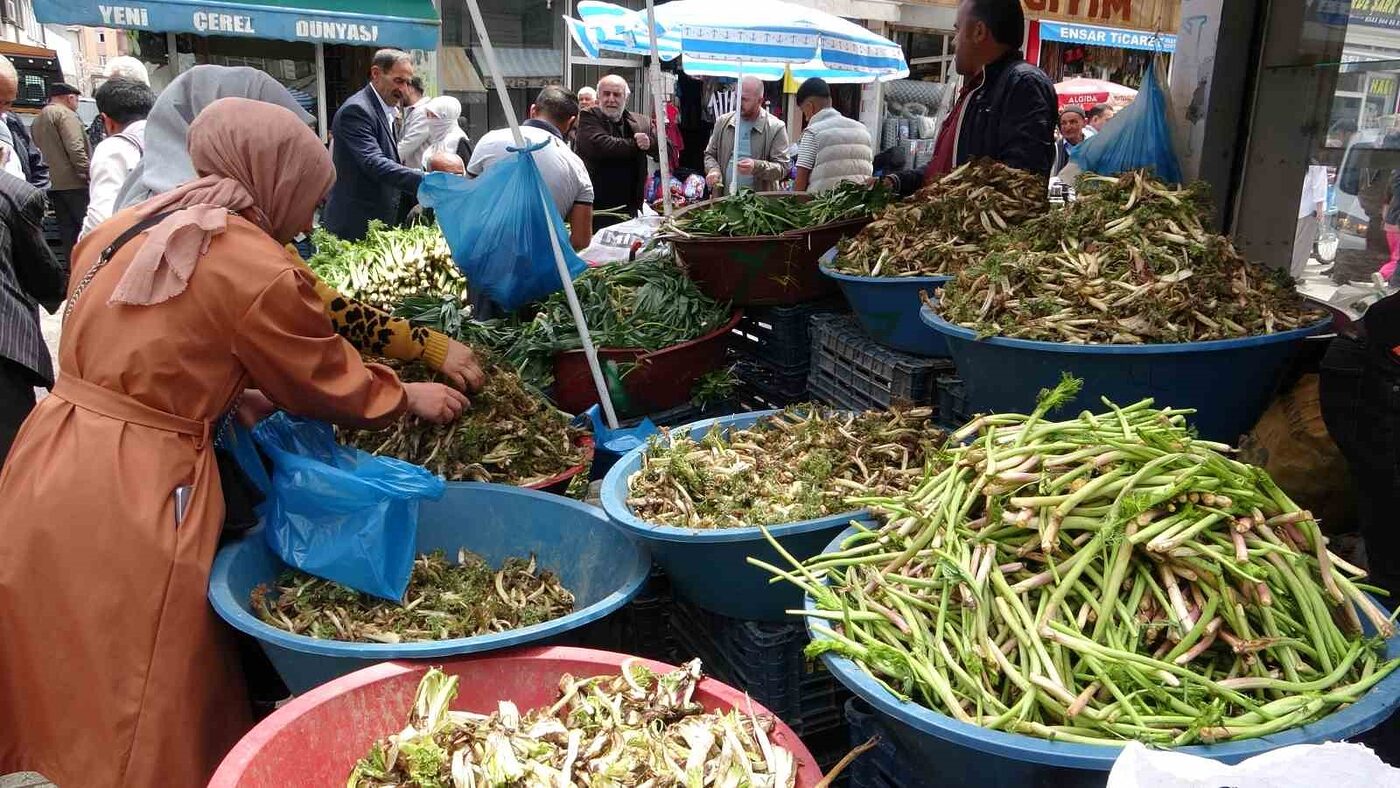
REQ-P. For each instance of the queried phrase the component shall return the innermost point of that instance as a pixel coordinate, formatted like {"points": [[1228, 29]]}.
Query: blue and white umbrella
{"points": [[726, 38]]}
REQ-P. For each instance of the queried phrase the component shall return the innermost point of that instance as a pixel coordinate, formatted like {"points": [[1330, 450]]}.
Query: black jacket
{"points": [[36, 171], [617, 167], [30, 276], [1009, 118]]}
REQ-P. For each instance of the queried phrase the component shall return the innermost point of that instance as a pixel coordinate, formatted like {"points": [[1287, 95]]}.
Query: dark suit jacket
{"points": [[36, 171], [29, 276], [617, 167], [369, 180]]}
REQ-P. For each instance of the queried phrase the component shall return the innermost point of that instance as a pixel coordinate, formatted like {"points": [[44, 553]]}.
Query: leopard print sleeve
{"points": [[377, 333]]}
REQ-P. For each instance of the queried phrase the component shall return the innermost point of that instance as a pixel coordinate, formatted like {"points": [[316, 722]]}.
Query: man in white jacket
{"points": [[833, 149], [124, 105]]}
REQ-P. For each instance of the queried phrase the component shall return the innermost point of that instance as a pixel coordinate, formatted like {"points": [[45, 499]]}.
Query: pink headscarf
{"points": [[257, 160]]}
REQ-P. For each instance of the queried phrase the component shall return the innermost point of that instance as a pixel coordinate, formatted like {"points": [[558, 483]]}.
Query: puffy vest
{"points": [[844, 151]]}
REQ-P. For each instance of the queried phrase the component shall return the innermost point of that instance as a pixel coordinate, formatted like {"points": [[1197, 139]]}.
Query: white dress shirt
{"points": [[112, 160]]}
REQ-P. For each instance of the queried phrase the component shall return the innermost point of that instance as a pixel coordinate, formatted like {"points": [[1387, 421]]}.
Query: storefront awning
{"points": [[525, 62], [1091, 35], [408, 24]]}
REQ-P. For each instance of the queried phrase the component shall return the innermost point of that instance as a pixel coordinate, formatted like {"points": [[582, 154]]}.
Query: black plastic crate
{"points": [[825, 389], [642, 627], [765, 660], [882, 766], [952, 400], [762, 387], [780, 336], [849, 358]]}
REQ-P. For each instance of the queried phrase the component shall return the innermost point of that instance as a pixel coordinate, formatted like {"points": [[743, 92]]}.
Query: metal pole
{"points": [[322, 125], [173, 52], [659, 111], [589, 351], [738, 116]]}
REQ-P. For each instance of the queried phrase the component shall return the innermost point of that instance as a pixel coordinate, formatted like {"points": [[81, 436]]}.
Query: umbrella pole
{"points": [[738, 116], [663, 154], [589, 351]]}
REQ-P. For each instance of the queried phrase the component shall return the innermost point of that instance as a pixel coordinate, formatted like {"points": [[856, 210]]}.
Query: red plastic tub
{"points": [[559, 483], [662, 379], [772, 270], [315, 740]]}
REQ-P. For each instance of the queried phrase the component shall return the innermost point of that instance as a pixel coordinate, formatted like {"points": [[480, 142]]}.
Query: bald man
{"points": [[614, 144], [762, 145]]}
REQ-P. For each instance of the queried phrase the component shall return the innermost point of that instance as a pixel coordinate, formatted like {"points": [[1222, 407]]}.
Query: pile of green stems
{"points": [[751, 214], [1099, 580]]}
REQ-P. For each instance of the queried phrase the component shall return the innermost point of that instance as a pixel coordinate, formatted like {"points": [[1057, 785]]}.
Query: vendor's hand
{"points": [[254, 407], [746, 166], [434, 402], [461, 367], [643, 140], [712, 179]]}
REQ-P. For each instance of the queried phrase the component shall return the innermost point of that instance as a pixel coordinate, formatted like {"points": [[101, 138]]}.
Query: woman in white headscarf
{"points": [[445, 135]]}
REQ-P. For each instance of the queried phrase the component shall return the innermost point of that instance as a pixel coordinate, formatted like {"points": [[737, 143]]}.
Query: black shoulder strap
{"points": [[131, 232]]}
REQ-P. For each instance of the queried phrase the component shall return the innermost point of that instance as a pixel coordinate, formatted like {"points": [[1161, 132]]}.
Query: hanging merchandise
{"points": [[337, 512], [498, 226], [1138, 137]]}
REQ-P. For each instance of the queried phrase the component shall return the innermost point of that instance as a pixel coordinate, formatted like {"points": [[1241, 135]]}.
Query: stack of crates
{"points": [[771, 352], [851, 371], [882, 766], [766, 660]]}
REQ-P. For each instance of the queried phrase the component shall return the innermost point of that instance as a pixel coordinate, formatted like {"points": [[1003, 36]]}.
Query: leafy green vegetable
{"points": [[749, 213]]}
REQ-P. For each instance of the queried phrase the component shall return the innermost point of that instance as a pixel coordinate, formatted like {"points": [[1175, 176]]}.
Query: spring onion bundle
{"points": [[635, 728], [388, 265], [1100, 580]]}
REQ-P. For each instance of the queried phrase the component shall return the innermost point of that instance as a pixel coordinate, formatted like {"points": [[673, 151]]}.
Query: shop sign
{"points": [[1376, 13], [1090, 35], [1135, 14], [264, 21], [1381, 86]]}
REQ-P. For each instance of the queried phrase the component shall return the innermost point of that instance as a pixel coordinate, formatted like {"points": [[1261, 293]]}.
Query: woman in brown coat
{"points": [[114, 671]]}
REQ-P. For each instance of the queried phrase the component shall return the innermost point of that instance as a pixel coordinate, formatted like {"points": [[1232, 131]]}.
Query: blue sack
{"points": [[341, 513], [1139, 137], [498, 227]]}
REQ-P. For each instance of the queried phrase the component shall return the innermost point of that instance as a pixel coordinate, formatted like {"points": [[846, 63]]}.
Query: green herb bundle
{"points": [[750, 213], [388, 265]]}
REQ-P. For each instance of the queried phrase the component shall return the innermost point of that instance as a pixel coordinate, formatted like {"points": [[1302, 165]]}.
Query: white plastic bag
{"points": [[1331, 765]]}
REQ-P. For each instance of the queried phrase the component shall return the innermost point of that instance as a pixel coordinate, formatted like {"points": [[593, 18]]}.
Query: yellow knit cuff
{"points": [[435, 350]]}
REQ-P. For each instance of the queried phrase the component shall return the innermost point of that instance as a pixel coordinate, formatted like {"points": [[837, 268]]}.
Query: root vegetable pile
{"points": [[797, 465], [1130, 262], [1100, 580], [389, 265], [947, 225], [443, 601], [508, 435], [749, 214], [635, 728]]}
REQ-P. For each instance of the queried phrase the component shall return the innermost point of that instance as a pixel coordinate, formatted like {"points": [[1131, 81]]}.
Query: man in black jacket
{"points": [[615, 144], [1006, 109], [29, 277]]}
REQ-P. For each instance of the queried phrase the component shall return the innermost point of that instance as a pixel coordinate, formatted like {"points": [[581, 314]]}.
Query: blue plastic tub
{"points": [[1229, 382], [888, 309], [599, 564], [957, 752], [709, 567]]}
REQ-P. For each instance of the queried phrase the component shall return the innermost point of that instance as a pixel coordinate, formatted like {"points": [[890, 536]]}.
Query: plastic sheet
{"points": [[498, 227], [340, 513], [1138, 137]]}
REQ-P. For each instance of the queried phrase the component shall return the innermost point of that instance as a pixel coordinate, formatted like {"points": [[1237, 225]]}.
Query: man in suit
{"points": [[29, 277], [615, 143], [369, 178]]}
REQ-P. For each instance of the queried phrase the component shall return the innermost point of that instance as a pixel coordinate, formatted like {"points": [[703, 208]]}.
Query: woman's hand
{"points": [[253, 407], [461, 367], [434, 402]]}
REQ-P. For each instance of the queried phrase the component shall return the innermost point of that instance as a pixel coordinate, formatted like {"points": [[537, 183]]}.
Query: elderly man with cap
{"points": [[1072, 123], [59, 133]]}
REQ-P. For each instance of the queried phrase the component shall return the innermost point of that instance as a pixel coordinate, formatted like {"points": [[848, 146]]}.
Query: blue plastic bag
{"points": [[498, 227], [1139, 137], [341, 513]]}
